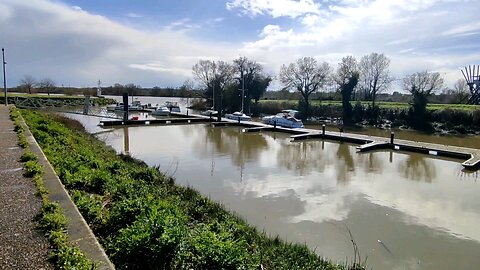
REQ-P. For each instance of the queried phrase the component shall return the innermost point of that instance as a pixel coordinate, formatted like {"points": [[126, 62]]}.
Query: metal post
{"points": [[323, 129], [392, 136], [125, 106], [4, 77], [220, 108]]}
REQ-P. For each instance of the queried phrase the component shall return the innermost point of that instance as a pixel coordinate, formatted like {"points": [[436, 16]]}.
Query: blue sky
{"points": [[156, 42]]}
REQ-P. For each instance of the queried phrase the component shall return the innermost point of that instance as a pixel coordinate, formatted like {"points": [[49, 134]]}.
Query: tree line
{"points": [[352, 80], [234, 86]]}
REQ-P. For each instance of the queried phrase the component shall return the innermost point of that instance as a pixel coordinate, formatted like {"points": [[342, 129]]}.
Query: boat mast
{"points": [[213, 96], [243, 88]]}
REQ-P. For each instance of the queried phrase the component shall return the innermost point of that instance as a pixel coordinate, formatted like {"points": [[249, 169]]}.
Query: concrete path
{"points": [[22, 245]]}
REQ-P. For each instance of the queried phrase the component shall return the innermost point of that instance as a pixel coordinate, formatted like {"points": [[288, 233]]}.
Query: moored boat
{"points": [[172, 106], [209, 113], [238, 116], [284, 119], [161, 111]]}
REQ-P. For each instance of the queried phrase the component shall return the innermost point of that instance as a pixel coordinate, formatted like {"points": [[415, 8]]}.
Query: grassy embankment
{"points": [[145, 221], [52, 219], [77, 99]]}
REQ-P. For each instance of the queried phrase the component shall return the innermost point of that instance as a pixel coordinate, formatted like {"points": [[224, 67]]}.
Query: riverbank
{"points": [[444, 118], [144, 220]]}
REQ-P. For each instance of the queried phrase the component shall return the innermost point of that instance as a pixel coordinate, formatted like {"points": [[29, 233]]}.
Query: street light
{"points": [[4, 77]]}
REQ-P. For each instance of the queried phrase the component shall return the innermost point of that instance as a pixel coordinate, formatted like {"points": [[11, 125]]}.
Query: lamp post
{"points": [[4, 77]]}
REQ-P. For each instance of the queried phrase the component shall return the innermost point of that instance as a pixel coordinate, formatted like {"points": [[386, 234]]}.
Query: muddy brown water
{"points": [[404, 210]]}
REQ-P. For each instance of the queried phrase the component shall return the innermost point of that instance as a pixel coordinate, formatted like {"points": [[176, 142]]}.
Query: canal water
{"points": [[404, 210]]}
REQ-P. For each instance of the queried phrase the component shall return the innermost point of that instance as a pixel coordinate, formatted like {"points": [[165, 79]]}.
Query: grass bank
{"points": [[52, 220], [145, 221], [15, 97]]}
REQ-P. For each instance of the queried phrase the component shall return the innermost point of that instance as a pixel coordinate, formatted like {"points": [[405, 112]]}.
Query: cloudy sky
{"points": [[156, 42]]}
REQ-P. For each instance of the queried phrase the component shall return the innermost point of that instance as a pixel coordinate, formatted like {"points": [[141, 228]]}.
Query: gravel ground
{"points": [[22, 246]]}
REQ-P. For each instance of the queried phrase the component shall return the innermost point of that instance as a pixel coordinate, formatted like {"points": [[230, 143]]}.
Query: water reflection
{"points": [[418, 168], [126, 141]]}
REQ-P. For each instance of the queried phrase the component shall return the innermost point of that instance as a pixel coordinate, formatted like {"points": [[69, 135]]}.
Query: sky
{"points": [[156, 42]]}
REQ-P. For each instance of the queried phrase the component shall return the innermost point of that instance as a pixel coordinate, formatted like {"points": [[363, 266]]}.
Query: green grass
{"points": [[25, 95], [52, 220], [145, 221], [57, 98]]}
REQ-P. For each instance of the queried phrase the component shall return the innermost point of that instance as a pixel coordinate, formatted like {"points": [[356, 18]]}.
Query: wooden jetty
{"points": [[369, 143], [164, 121], [365, 142]]}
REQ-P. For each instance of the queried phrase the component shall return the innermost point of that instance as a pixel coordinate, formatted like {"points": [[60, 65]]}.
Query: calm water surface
{"points": [[405, 211]]}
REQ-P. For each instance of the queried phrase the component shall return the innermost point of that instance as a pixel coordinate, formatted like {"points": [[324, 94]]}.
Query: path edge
{"points": [[79, 233]]}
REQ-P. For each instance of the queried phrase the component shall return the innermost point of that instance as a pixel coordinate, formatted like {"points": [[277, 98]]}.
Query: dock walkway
{"points": [[366, 142]]}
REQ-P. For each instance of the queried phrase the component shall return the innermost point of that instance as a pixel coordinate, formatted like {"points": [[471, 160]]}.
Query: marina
{"points": [[470, 156]]}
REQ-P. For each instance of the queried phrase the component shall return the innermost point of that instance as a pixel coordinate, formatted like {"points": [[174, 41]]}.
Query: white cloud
{"points": [[74, 47], [410, 31], [275, 8], [48, 39], [463, 29], [134, 15]]}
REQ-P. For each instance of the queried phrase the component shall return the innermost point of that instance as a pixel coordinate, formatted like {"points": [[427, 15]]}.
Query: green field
{"points": [[381, 104]]}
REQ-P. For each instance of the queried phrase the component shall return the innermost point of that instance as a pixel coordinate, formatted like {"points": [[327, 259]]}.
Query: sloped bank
{"points": [[145, 221]]}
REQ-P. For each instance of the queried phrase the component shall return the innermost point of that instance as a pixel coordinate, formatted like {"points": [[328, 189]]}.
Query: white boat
{"points": [[172, 106], [161, 111], [284, 119], [238, 116], [111, 107], [209, 113], [135, 106]]}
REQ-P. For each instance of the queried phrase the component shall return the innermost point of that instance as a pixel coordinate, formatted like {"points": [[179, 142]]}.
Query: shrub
{"points": [[31, 168]]}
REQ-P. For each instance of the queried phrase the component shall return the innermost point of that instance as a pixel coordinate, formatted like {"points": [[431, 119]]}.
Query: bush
{"points": [[31, 168], [152, 240], [27, 156]]}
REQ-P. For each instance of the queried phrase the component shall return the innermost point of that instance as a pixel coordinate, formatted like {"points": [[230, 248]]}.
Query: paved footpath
{"points": [[22, 245]]}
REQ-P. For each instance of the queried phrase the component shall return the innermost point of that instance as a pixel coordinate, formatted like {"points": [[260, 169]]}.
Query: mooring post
{"points": [[238, 120], [275, 124], [392, 136], [4, 77], [323, 129], [125, 106], [86, 105]]}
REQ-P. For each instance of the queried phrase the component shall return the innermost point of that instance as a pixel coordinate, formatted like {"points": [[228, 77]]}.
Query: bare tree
{"points": [[374, 75], [346, 69], [251, 78], [28, 82], [421, 85], [214, 76], [306, 76], [425, 83], [47, 85], [461, 91]]}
